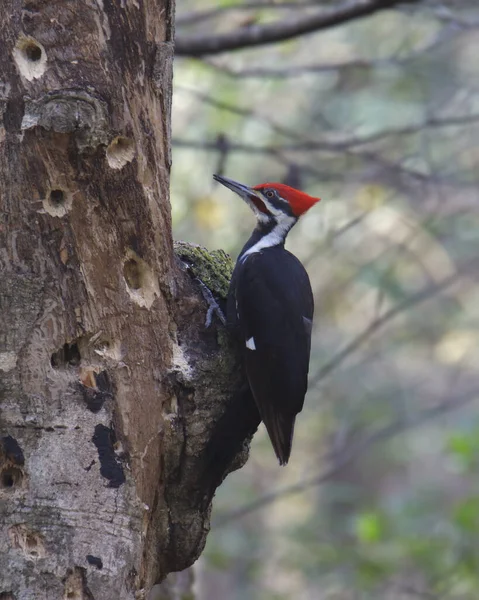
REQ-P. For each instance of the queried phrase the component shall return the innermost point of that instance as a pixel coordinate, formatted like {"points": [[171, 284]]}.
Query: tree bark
{"points": [[110, 382]]}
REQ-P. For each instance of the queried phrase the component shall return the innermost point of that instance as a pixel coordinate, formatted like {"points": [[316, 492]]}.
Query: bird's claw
{"points": [[213, 306]]}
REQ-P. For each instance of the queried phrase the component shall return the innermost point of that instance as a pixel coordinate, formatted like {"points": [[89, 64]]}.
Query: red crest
{"points": [[299, 201]]}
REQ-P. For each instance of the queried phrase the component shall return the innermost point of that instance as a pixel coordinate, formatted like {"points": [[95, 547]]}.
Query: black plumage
{"points": [[271, 307], [234, 428]]}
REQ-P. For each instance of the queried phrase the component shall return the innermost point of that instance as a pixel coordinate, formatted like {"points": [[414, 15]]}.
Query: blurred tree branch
{"points": [[257, 35], [192, 18], [445, 35], [446, 15], [347, 145], [410, 591], [309, 144], [337, 147], [351, 452], [422, 296]]}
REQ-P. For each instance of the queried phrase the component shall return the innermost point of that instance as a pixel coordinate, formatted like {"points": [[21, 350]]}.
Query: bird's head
{"points": [[271, 200]]}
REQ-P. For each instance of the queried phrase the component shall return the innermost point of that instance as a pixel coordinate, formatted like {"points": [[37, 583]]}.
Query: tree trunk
{"points": [[110, 382]]}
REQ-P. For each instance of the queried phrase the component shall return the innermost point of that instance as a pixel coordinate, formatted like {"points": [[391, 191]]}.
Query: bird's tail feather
{"points": [[280, 429], [237, 425]]}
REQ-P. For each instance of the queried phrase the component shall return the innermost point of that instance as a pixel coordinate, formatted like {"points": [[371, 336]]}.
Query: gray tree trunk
{"points": [[109, 380]]}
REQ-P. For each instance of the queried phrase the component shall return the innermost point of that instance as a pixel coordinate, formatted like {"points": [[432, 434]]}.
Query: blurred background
{"points": [[379, 116]]}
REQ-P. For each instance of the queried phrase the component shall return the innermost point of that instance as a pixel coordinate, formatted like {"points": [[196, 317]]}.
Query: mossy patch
{"points": [[213, 267]]}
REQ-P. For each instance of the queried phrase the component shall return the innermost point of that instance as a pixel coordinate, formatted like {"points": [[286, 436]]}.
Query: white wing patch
{"points": [[250, 344]]}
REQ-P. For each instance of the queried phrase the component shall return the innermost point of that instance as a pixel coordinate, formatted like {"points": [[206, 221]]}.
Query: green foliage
{"points": [[369, 527], [464, 447]]}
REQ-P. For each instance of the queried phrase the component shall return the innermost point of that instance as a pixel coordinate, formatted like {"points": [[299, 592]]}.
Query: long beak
{"points": [[242, 190], [249, 195]]}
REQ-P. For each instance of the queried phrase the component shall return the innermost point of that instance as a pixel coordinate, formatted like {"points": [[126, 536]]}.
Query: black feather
{"points": [[236, 426], [271, 301]]}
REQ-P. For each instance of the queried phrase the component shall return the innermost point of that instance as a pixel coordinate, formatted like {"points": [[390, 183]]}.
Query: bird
{"points": [[270, 309]]}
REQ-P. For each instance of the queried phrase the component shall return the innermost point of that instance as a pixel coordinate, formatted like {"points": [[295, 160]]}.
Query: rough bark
{"points": [[109, 381]]}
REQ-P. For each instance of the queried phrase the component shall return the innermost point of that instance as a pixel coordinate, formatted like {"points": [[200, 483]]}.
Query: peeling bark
{"points": [[110, 384]]}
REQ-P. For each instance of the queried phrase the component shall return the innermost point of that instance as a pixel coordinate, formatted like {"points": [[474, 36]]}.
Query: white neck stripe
{"points": [[274, 238]]}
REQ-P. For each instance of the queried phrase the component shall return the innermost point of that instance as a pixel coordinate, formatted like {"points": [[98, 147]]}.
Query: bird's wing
{"points": [[275, 310]]}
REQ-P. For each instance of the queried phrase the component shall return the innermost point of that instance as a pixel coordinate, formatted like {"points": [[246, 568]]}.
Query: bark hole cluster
{"points": [[30, 58], [120, 152], [142, 285], [67, 356], [33, 52], [11, 477], [132, 274], [95, 561], [75, 585], [57, 197], [28, 541], [58, 202], [11, 465]]}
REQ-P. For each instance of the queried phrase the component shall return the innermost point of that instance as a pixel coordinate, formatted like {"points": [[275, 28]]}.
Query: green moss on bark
{"points": [[213, 267]]}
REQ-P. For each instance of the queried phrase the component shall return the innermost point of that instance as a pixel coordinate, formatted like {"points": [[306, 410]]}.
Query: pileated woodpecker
{"points": [[270, 306]]}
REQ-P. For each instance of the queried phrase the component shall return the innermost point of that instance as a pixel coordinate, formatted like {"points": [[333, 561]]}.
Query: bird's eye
{"points": [[270, 194]]}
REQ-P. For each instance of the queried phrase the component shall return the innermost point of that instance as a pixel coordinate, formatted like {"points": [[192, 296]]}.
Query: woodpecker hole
{"points": [[94, 561], [30, 58], [57, 197], [33, 52], [132, 274], [28, 541], [141, 283], [120, 152], [58, 202], [10, 453], [67, 356], [7, 480], [11, 477], [11, 463]]}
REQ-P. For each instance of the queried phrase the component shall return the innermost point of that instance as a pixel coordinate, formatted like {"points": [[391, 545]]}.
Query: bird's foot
{"points": [[213, 306]]}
